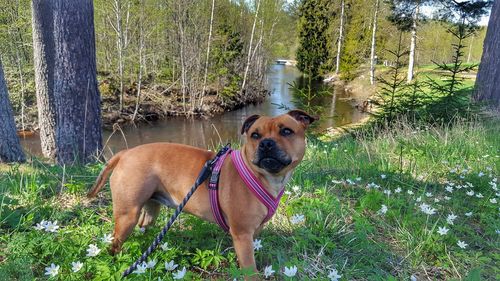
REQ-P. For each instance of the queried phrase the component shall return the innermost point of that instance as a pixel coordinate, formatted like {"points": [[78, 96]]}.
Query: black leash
{"points": [[204, 174]]}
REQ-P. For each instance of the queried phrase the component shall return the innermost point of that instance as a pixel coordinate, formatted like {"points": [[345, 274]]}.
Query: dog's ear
{"points": [[303, 117], [248, 123]]}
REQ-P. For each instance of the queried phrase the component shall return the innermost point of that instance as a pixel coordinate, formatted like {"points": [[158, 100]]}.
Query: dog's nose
{"points": [[267, 144]]}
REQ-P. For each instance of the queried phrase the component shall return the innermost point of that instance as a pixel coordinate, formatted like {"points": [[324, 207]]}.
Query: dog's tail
{"points": [[103, 176]]}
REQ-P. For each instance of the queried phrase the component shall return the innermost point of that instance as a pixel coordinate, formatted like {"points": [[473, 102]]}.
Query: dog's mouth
{"points": [[272, 165]]}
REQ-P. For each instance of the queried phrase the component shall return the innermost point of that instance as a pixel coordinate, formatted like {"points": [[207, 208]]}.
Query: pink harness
{"points": [[251, 181]]}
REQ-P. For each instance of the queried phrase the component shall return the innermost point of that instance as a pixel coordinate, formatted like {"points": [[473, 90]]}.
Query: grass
{"points": [[340, 188]]}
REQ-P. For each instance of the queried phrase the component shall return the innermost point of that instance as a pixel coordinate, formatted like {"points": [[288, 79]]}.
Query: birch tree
{"points": [[413, 42], [250, 47], [209, 40], [341, 36], [374, 42]]}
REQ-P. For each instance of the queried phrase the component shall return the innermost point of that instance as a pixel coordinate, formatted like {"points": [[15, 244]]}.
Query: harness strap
{"points": [[256, 186], [213, 188], [250, 180]]}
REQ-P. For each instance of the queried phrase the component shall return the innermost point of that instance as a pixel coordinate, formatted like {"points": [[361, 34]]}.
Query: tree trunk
{"points": [[374, 42], [10, 148], [77, 99], [488, 76], [208, 55], [413, 43], [141, 60], [341, 37], [250, 47], [44, 53]]}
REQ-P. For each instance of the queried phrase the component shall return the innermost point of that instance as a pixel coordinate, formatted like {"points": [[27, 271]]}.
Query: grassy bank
{"points": [[420, 175]]}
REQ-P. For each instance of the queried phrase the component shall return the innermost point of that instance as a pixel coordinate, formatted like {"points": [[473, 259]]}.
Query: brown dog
{"points": [[274, 147]]}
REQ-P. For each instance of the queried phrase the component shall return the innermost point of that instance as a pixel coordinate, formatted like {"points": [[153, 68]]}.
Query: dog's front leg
{"points": [[243, 245]]}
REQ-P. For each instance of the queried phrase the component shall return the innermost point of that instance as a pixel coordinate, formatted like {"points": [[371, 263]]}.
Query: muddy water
{"points": [[333, 105]]}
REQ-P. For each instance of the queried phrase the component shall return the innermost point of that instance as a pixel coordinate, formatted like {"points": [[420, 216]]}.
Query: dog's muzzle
{"points": [[270, 157]]}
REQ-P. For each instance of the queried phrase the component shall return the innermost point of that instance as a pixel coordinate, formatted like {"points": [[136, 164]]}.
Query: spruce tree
{"points": [[312, 26]]}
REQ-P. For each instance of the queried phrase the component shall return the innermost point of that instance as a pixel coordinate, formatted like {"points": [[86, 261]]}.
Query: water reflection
{"points": [[333, 106]]}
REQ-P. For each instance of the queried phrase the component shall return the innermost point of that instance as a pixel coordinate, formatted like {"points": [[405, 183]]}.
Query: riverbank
{"points": [[387, 196], [158, 101]]}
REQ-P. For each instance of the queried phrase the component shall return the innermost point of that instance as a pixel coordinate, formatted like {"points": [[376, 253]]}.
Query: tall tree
{"points": [[488, 76], [406, 15], [77, 99], [374, 42], [341, 36], [10, 148], [44, 60], [249, 56], [313, 23]]}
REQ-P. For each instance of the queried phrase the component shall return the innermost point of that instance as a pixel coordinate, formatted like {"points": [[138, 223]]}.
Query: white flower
{"points": [[410, 192], [358, 179], [151, 264], [141, 268], [449, 188], [419, 199], [52, 270], [268, 271], [164, 246], [334, 275], [41, 225], [413, 278], [436, 200], [169, 266], [287, 192], [462, 244], [470, 193], [179, 274], [257, 244], [427, 209], [397, 190], [290, 271], [493, 200], [93, 251], [372, 185], [480, 174], [51, 226], [337, 182], [383, 176], [442, 230], [350, 182], [447, 198], [428, 194], [382, 210], [468, 214], [479, 195], [297, 218], [387, 191], [497, 231], [142, 229], [451, 217], [296, 188], [108, 238], [469, 184], [76, 266]]}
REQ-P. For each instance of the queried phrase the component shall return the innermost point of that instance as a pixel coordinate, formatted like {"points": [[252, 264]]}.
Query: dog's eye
{"points": [[255, 136], [286, 132]]}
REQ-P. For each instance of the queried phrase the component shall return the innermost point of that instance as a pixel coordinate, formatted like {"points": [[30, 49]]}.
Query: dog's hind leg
{"points": [[124, 224], [149, 213]]}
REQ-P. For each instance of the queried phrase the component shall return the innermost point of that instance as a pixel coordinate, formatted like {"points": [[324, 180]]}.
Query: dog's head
{"points": [[275, 145]]}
